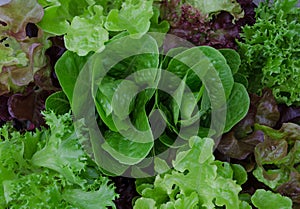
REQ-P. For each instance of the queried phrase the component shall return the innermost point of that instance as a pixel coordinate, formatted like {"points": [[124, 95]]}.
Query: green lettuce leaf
{"points": [[269, 50], [90, 26], [262, 198], [132, 11], [49, 169], [194, 182], [215, 6]]}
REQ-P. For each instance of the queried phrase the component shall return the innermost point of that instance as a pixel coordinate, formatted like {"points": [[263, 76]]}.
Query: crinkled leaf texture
{"points": [[195, 182], [281, 151], [270, 51], [215, 6], [132, 11], [49, 169], [86, 24]]}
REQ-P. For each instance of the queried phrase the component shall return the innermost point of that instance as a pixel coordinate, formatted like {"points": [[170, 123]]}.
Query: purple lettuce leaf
{"points": [[219, 30], [291, 188], [28, 107], [242, 139]]}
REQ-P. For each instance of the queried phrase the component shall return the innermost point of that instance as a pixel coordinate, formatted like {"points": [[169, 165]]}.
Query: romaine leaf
{"points": [[232, 58], [126, 150], [67, 70], [237, 106], [58, 102]]}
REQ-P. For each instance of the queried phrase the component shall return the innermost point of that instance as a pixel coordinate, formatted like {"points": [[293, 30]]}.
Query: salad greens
{"points": [[86, 25], [278, 157], [49, 169], [270, 50], [271, 154], [199, 181], [25, 73], [213, 23], [122, 88], [129, 98]]}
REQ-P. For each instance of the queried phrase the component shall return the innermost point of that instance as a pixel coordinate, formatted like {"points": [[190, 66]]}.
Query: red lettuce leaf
{"points": [[28, 107], [220, 31], [15, 15], [291, 188], [242, 139], [4, 114], [239, 149]]}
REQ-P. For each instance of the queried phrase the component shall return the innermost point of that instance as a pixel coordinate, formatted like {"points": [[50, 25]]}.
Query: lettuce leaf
{"points": [[87, 24], [195, 181], [15, 15], [269, 50], [262, 198], [49, 169]]}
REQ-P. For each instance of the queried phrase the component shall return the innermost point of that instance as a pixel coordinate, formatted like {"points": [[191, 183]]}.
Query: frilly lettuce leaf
{"points": [[90, 26], [49, 169], [269, 50], [86, 24], [195, 181], [132, 11]]}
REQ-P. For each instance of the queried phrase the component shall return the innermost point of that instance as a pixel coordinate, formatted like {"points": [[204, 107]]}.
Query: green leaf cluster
{"points": [[199, 181], [49, 169], [128, 95], [87, 25], [270, 50]]}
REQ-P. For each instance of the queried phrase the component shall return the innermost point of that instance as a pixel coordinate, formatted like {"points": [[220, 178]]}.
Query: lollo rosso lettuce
{"points": [[213, 23]]}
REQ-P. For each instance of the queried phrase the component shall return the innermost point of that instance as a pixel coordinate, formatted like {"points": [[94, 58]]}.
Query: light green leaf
{"points": [[101, 198], [134, 17], [86, 33], [216, 6], [266, 199], [144, 203]]}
